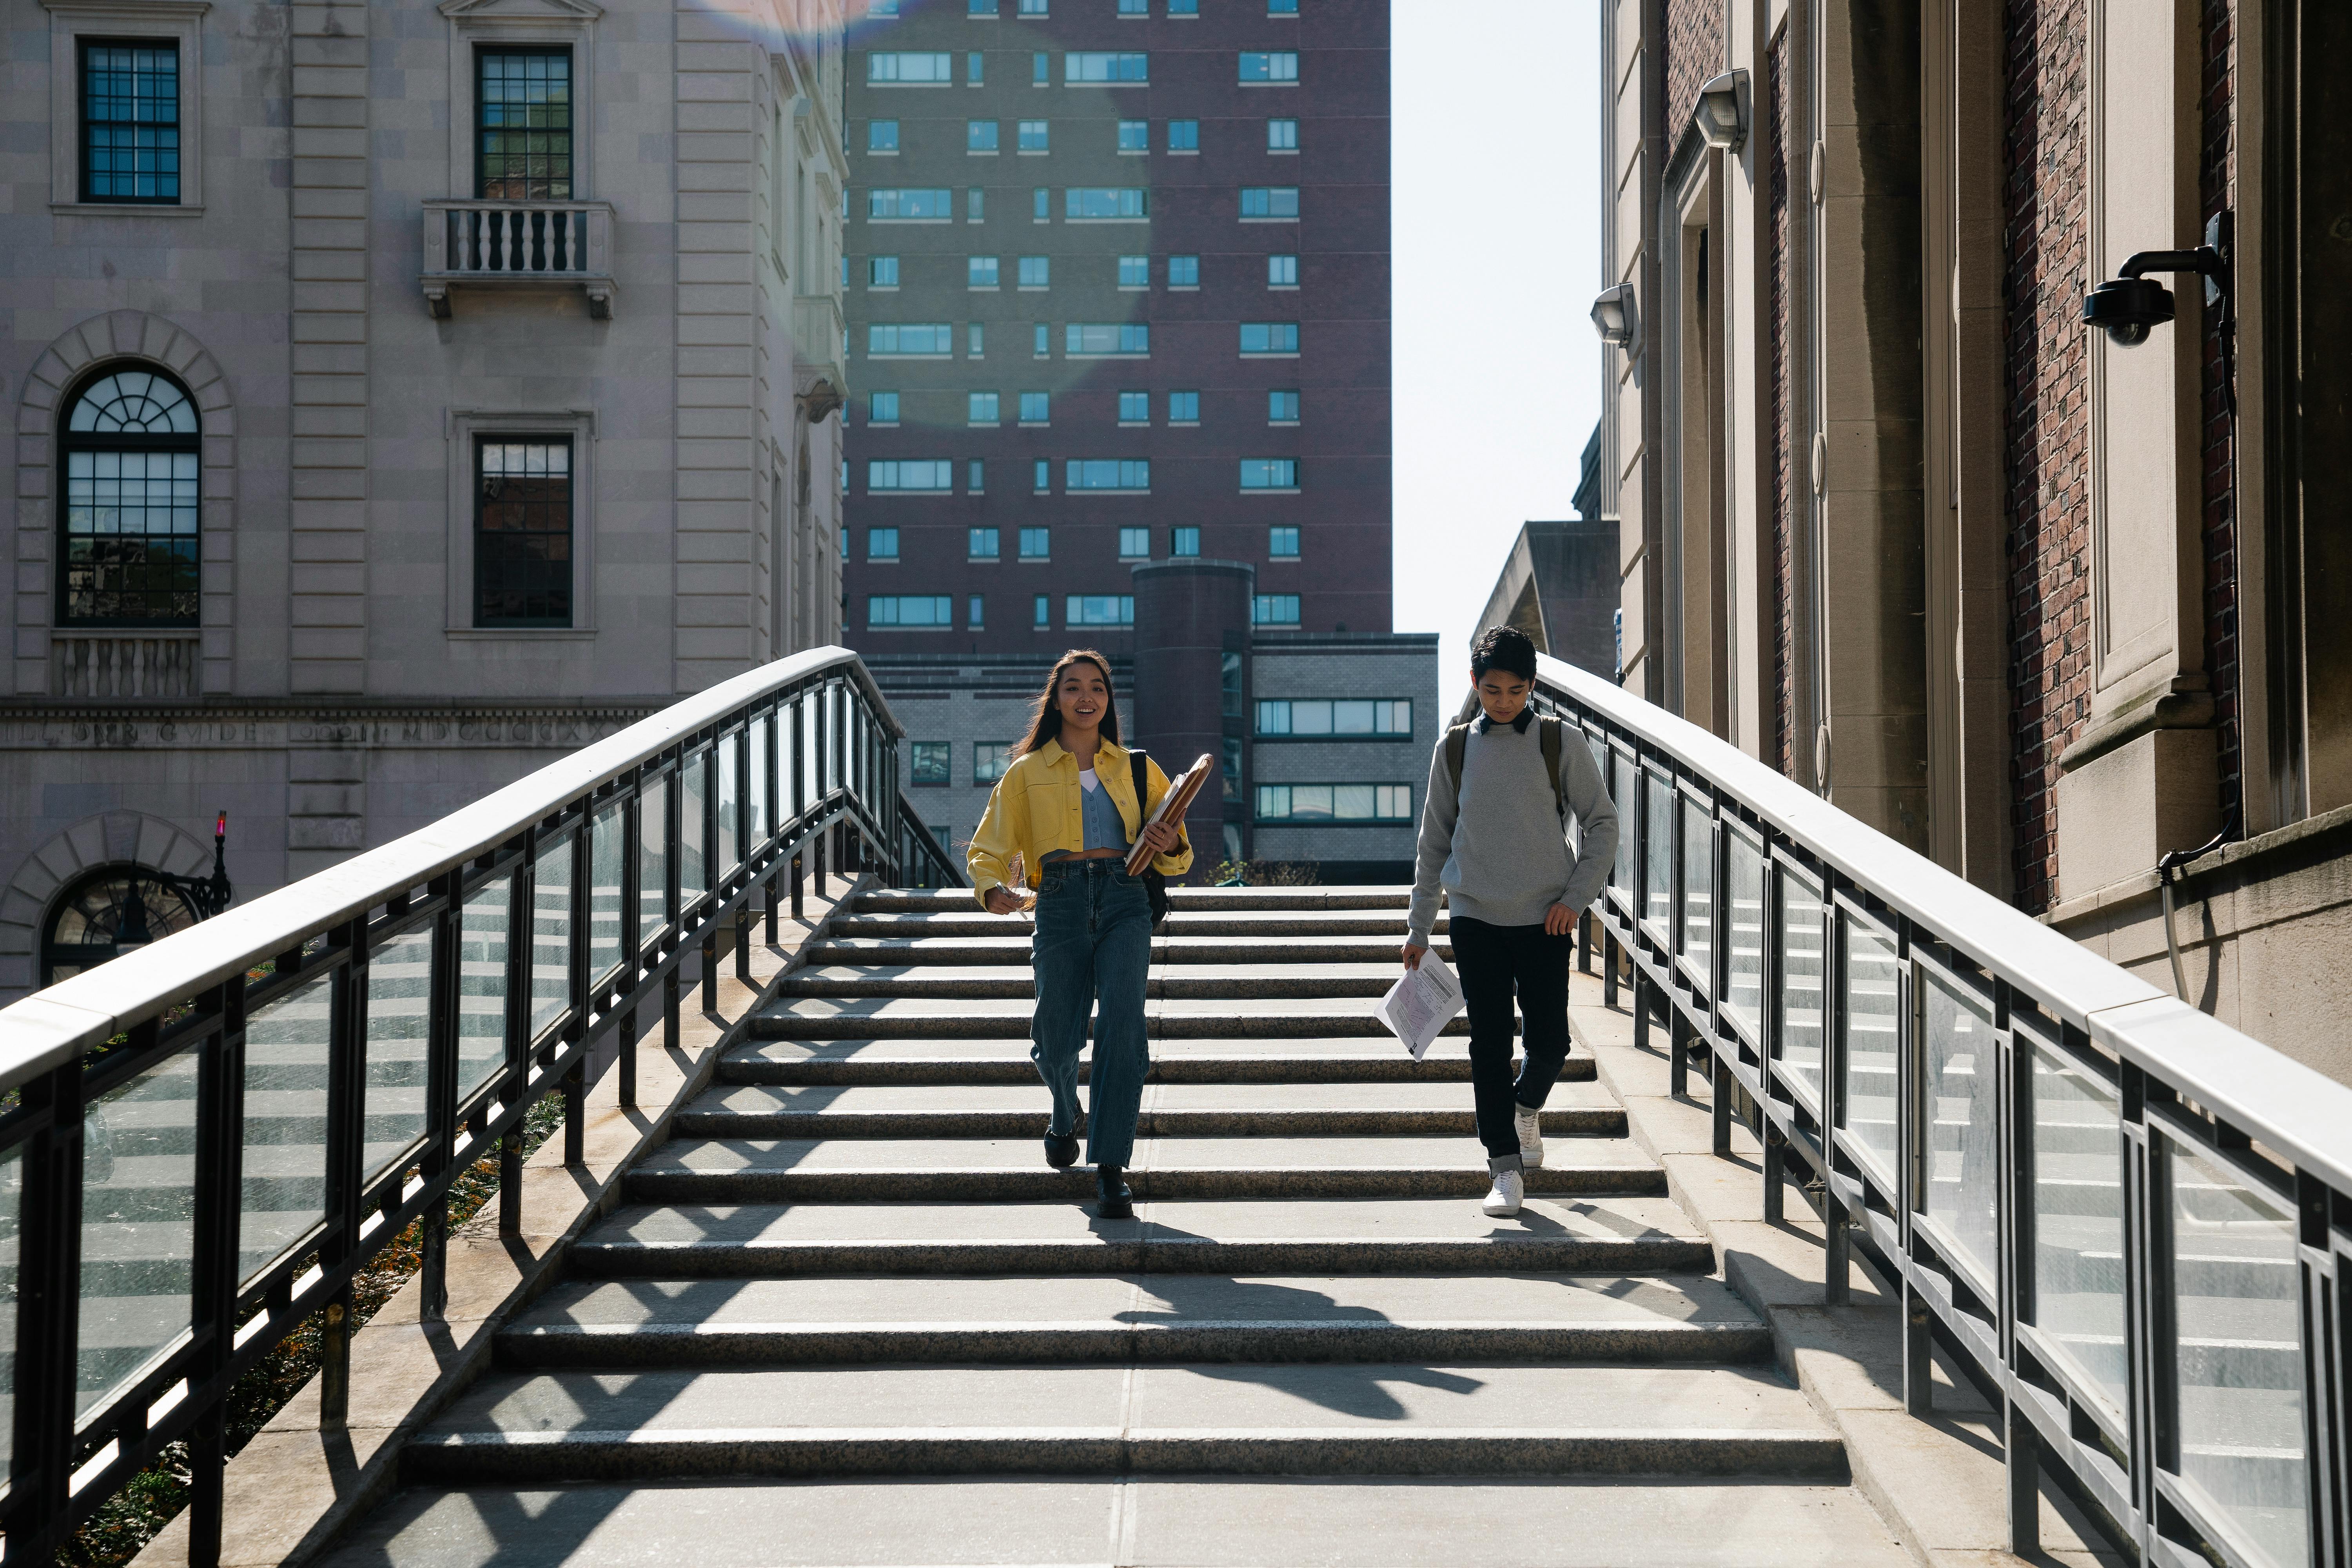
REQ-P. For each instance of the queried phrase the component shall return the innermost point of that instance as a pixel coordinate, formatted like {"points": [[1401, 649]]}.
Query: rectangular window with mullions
{"points": [[131, 122], [523, 532], [522, 111]]}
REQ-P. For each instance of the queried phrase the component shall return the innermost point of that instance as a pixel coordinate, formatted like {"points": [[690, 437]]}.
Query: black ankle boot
{"points": [[1061, 1150], [1112, 1200]]}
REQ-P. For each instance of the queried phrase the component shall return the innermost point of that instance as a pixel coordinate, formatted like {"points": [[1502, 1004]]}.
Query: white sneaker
{"points": [[1530, 1126], [1510, 1188]]}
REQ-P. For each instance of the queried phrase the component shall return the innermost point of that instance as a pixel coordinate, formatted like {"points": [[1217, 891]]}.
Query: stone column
{"points": [[1183, 610]]}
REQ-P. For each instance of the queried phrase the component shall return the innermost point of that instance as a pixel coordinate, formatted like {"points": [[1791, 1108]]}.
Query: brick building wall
{"points": [[2046, 242], [1775, 107], [2218, 180], [1693, 57]]}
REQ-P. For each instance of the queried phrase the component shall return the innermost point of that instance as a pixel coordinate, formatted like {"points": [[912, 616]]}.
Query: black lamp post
{"points": [[207, 895]]}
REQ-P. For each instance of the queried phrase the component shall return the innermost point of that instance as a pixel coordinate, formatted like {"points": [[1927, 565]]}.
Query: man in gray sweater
{"points": [[1494, 837]]}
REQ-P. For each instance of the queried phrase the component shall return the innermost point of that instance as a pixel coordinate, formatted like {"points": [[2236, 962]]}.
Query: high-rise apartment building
{"points": [[1118, 290], [1117, 281]]}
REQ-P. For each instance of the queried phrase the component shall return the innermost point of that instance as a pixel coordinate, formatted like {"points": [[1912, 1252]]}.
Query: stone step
{"points": [[1346, 1236], [1203, 1522], [1235, 982], [970, 920], [983, 951], [920, 900], [872, 1018], [1198, 1111], [1139, 1317], [900, 1170], [1336, 1419], [844, 1062]]}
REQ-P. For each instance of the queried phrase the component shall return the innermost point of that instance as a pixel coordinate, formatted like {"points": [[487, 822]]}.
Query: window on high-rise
{"points": [[980, 135], [979, 408], [1042, 346], [131, 122], [1036, 543], [1135, 272], [975, 205], [1183, 408], [1106, 474], [1135, 136], [1259, 70], [1103, 204], [1098, 610], [881, 272], [1274, 610], [910, 205], [975, 615], [881, 544], [902, 477], [1334, 716], [975, 337], [925, 610], [1183, 7], [1273, 203], [1042, 613], [1184, 541], [1041, 71], [906, 69], [1282, 136], [1282, 543], [1335, 803], [1097, 66], [930, 769], [990, 758], [881, 136], [1034, 136], [1135, 408], [1033, 8], [1282, 409], [1184, 136], [1135, 8], [975, 476], [1282, 7], [1036, 408], [1042, 478], [1282, 272], [882, 409], [982, 544], [1041, 205], [1036, 272], [975, 63], [1183, 272], [904, 338], [1102, 338], [1135, 544], [1269, 473], [1269, 337], [980, 272]]}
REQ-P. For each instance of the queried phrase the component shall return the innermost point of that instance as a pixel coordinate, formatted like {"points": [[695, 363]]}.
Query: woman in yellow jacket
{"points": [[1065, 811]]}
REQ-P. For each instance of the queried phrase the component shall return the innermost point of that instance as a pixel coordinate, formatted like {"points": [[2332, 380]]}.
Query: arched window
{"points": [[130, 550], [112, 911]]}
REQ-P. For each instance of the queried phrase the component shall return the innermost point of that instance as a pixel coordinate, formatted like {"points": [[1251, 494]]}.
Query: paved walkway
{"points": [[850, 1316]]}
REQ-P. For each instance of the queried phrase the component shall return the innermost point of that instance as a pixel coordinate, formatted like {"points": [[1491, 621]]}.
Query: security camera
{"points": [[2128, 307]]}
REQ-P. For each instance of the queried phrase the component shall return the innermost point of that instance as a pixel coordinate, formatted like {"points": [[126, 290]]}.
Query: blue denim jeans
{"points": [[1092, 948]]}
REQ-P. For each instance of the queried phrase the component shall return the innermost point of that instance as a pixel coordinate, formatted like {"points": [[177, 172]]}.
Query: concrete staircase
{"points": [[849, 1315]]}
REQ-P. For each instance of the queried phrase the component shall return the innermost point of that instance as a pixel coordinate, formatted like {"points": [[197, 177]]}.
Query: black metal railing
{"points": [[2124, 1221], [201, 1144]]}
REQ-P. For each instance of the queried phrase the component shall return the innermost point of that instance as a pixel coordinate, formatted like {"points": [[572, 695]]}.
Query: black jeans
{"points": [[1494, 962]]}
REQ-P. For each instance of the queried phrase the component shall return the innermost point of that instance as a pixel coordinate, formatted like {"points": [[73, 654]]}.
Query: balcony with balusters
{"points": [[519, 244]]}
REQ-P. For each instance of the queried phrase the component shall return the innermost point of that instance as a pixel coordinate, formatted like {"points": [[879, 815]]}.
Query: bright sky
{"points": [[1496, 124]]}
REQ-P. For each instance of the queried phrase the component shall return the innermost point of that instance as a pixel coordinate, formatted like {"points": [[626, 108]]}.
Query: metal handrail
{"points": [[2124, 1220], [202, 1142]]}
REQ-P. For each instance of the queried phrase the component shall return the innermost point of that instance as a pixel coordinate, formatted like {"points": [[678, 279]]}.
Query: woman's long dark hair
{"points": [[1045, 717]]}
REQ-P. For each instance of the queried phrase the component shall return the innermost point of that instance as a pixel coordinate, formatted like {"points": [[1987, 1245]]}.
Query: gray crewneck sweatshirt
{"points": [[1500, 851]]}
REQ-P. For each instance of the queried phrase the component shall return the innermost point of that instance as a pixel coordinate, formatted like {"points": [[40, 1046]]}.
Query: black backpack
{"points": [[1155, 886], [1548, 731]]}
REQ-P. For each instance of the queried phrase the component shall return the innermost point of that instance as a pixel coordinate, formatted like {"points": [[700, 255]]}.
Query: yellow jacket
{"points": [[1037, 809]]}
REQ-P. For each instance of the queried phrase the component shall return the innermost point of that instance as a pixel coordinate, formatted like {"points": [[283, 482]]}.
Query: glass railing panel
{"points": [[551, 935], [399, 1003], [1962, 1122], [138, 1226], [606, 870], [2236, 1352], [2078, 1220], [693, 863], [804, 723], [763, 733], [730, 816], [1629, 817], [287, 1045], [1743, 933], [653, 856], [1804, 930], [483, 933], [1869, 1033], [1658, 855], [1698, 892]]}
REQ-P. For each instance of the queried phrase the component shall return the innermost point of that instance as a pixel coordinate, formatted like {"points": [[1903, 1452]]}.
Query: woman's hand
{"points": [[1412, 955], [1000, 901], [1160, 838]]}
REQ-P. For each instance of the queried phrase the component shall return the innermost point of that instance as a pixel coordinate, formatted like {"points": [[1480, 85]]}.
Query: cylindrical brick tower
{"points": [[1188, 611]]}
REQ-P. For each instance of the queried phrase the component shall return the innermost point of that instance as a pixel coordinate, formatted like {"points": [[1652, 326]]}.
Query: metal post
{"points": [[1584, 942], [1776, 1160], [575, 1115], [669, 1008], [335, 1361], [433, 1260], [800, 871], [818, 872], [743, 942], [769, 896], [1839, 1260], [1641, 1014], [1719, 1087], [628, 1063], [510, 1184], [1609, 971], [2024, 1465], [1677, 1049], [207, 1476], [1918, 1354], [710, 969]]}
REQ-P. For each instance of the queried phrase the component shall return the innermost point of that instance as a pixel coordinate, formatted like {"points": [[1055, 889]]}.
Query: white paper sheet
{"points": [[1420, 1004]]}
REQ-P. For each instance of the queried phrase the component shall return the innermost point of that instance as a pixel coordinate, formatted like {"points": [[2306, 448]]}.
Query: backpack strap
{"points": [[1549, 729], [1140, 768], [1457, 741]]}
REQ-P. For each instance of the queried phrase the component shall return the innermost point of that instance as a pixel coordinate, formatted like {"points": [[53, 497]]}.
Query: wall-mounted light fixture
{"points": [[1721, 113], [1615, 316]]}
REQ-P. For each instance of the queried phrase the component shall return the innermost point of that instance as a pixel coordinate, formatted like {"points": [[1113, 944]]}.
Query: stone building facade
{"points": [[2042, 603], [403, 397]]}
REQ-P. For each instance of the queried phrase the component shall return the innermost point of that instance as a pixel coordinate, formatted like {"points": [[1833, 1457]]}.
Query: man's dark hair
{"points": [[1506, 648]]}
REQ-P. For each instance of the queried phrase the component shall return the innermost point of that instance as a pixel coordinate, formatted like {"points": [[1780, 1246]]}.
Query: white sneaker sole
{"points": [[1499, 1211], [1530, 1154]]}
